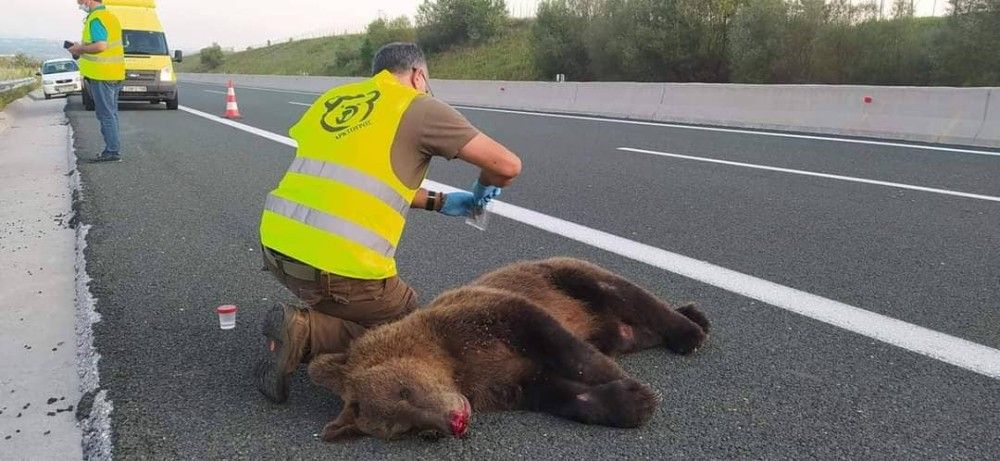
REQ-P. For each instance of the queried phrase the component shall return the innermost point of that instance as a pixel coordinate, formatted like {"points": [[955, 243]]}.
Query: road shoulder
{"points": [[40, 386]]}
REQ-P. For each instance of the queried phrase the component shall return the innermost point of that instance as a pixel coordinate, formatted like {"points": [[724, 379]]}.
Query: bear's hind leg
{"points": [[625, 403], [610, 296]]}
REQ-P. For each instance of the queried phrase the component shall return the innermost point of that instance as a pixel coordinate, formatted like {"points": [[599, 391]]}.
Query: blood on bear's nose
{"points": [[459, 422]]}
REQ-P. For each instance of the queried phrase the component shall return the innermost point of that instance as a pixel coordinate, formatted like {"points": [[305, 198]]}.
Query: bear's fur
{"points": [[533, 335]]}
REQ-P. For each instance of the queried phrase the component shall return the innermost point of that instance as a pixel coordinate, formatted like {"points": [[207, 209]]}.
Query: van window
{"points": [[59, 67], [145, 42]]}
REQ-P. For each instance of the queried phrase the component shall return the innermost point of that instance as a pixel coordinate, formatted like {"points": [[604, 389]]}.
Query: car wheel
{"points": [[48, 96]]}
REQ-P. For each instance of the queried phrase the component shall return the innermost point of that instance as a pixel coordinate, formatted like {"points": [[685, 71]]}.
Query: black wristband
{"points": [[430, 204]]}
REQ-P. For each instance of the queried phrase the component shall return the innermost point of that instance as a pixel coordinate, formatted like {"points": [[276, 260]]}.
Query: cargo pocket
{"points": [[346, 291]]}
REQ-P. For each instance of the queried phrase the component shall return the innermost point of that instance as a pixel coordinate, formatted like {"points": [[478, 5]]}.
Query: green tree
{"points": [[654, 40], [968, 53], [381, 32], [757, 41], [558, 38], [212, 57], [446, 23]]}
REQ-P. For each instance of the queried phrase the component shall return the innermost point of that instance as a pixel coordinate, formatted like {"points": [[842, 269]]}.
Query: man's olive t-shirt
{"points": [[429, 128]]}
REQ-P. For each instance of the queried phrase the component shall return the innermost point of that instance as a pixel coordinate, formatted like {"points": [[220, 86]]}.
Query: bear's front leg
{"points": [[625, 403]]}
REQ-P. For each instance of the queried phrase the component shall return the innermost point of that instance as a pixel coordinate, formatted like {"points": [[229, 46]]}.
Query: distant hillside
{"points": [[507, 58], [39, 49]]}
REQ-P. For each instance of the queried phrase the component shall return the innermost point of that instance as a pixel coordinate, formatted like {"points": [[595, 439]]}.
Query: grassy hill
{"points": [[506, 58], [303, 57]]}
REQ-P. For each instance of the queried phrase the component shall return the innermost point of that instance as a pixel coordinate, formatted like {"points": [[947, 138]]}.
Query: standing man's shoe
{"points": [[106, 158], [287, 338]]}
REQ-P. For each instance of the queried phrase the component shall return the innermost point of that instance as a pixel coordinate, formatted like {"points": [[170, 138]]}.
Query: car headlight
{"points": [[166, 74]]}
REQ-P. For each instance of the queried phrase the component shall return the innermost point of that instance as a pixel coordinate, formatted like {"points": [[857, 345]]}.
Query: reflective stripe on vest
{"points": [[354, 178], [340, 206], [108, 65], [329, 223], [95, 58]]}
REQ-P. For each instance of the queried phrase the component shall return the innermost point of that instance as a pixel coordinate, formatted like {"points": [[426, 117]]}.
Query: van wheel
{"points": [[173, 103]]}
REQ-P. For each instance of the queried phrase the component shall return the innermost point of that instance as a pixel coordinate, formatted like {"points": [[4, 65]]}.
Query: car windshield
{"points": [[145, 42], [59, 67]]}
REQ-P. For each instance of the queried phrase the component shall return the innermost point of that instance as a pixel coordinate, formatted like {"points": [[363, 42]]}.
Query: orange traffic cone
{"points": [[232, 109]]}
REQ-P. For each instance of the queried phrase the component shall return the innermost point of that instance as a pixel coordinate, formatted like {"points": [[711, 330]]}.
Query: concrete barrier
{"points": [[940, 115], [937, 115], [989, 133], [640, 101]]}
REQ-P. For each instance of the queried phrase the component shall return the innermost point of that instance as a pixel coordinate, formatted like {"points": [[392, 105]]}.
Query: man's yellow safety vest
{"points": [[108, 65], [340, 207]]}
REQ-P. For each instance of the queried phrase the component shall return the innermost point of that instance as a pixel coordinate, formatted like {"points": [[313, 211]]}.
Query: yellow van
{"points": [[149, 69]]}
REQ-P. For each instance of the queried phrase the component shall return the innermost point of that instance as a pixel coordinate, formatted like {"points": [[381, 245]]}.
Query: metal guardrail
{"points": [[15, 84]]}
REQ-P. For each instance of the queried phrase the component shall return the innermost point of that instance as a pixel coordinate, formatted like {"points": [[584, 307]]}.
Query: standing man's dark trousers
{"points": [[105, 96]]}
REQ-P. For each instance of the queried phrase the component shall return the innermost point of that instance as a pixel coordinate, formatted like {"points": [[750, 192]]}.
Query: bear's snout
{"points": [[458, 420], [459, 423]]}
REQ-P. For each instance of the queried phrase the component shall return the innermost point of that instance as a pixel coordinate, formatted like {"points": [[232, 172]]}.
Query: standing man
{"points": [[329, 231], [102, 64]]}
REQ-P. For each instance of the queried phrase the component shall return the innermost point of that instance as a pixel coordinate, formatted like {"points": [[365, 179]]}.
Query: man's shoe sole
{"points": [[271, 380], [105, 160]]}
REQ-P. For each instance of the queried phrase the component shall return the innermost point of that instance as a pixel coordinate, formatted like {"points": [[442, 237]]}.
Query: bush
{"points": [[212, 57], [558, 38], [443, 24], [381, 32], [347, 61], [654, 40], [967, 55], [757, 41]]}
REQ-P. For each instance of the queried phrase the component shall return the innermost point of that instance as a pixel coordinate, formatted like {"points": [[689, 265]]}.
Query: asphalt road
{"points": [[175, 234]]}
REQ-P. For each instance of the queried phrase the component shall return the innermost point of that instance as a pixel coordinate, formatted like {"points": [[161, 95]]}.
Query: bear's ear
{"points": [[343, 428], [329, 371]]}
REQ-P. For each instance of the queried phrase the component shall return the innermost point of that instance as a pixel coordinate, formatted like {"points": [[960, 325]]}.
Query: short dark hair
{"points": [[398, 57]]}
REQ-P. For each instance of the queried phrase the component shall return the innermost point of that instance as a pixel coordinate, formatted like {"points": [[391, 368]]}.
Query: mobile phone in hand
{"points": [[67, 44]]}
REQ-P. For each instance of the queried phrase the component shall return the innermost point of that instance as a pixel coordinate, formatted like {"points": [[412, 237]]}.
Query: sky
{"points": [[194, 24]]}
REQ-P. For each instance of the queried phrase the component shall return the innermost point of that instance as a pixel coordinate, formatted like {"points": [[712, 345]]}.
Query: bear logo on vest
{"points": [[348, 112]]}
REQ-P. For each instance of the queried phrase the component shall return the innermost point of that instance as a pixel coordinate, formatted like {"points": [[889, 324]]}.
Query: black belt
{"points": [[292, 267]]}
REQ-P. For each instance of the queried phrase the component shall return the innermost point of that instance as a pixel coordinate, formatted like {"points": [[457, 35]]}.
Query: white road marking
{"points": [[240, 126], [739, 131], [685, 127], [818, 175], [946, 348], [216, 92], [299, 103]]}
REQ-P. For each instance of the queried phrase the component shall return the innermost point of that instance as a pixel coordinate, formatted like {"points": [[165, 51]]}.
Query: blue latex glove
{"points": [[458, 204], [484, 194]]}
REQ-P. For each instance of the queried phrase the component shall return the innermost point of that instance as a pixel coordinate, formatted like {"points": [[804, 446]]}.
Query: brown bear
{"points": [[534, 335]]}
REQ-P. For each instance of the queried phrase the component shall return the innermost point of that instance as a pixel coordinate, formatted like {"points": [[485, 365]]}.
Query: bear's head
{"points": [[391, 400]]}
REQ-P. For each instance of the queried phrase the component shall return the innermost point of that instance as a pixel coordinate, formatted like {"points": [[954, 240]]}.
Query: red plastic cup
{"points": [[227, 317]]}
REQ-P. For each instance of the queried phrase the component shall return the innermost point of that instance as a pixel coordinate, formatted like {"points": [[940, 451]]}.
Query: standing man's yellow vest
{"points": [[108, 65], [340, 207]]}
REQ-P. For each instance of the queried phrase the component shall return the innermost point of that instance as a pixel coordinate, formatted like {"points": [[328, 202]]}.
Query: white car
{"points": [[60, 76]]}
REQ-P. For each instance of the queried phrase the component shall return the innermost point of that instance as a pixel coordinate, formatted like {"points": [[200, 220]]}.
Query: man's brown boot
{"points": [[287, 339]]}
